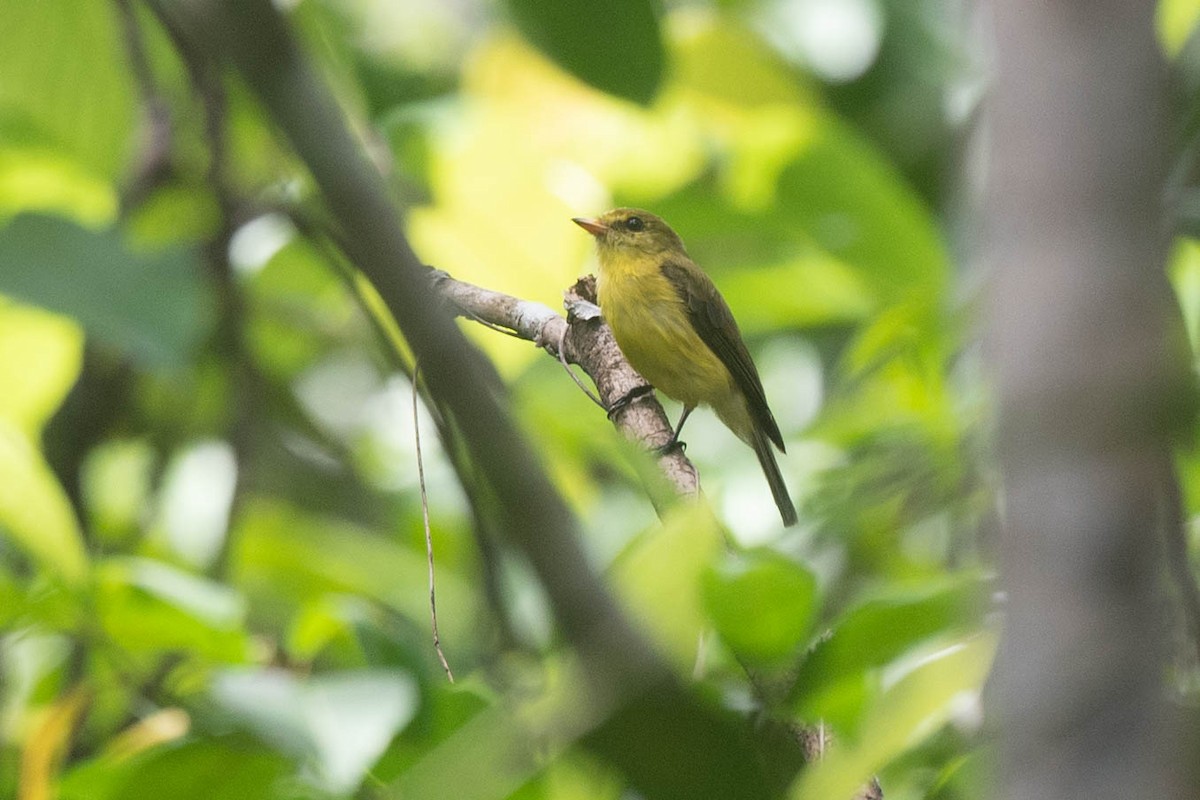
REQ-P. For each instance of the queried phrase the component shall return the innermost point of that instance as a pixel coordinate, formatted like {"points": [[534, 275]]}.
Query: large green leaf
{"points": [[65, 74], [40, 358], [761, 603], [911, 710], [34, 176], [151, 607], [659, 576], [34, 509], [615, 45], [831, 683], [150, 305], [858, 208], [810, 226]]}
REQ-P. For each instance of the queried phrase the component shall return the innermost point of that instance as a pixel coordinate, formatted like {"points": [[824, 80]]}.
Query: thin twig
{"points": [[562, 359], [492, 325], [437, 639], [154, 161]]}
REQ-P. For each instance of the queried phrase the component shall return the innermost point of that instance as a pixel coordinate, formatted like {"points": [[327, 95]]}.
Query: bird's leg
{"points": [[674, 441], [629, 397]]}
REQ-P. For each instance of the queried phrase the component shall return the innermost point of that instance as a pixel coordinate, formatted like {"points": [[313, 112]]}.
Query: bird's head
{"points": [[632, 230]]}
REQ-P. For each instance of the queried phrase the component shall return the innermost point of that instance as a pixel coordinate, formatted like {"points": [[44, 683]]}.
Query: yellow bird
{"points": [[678, 332]]}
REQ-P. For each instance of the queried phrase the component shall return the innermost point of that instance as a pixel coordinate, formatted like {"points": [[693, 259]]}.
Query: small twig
{"points": [[491, 325], [154, 162], [562, 359], [437, 639]]}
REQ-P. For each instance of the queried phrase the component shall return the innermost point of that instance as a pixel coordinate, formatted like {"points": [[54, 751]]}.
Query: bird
{"points": [[677, 331]]}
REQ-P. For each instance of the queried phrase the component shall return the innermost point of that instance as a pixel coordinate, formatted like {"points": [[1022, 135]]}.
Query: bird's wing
{"points": [[713, 321]]}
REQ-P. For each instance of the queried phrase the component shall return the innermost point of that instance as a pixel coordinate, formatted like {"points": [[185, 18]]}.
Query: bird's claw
{"points": [[627, 398]]}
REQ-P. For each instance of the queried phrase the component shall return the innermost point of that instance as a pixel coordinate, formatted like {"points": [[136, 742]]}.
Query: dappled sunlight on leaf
{"points": [[724, 63], [36, 178], [40, 358], [1184, 271], [1175, 21]]}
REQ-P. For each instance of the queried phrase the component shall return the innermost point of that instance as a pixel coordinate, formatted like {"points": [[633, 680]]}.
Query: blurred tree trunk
{"points": [[1078, 338]]}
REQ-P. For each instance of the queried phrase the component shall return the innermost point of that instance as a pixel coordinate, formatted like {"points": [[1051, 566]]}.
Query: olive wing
{"points": [[714, 322]]}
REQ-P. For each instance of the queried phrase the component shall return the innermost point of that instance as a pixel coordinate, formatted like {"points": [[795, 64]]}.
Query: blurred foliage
{"points": [[212, 565]]}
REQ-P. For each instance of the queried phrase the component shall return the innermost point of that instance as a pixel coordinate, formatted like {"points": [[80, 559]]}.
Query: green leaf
{"points": [[725, 61], [761, 603], [859, 209], [152, 607], [874, 633], [659, 578], [66, 75], [1184, 272], [34, 509], [222, 768], [152, 306], [342, 722], [324, 621], [614, 45], [117, 483], [175, 213], [40, 358], [833, 293], [300, 306], [284, 557], [808, 224], [36, 177], [1175, 21], [910, 711]]}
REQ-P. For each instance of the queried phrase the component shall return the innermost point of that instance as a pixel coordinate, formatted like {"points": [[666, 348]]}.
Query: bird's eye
{"points": [[635, 224]]}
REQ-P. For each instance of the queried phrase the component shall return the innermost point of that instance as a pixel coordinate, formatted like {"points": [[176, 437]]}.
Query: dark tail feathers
{"points": [[766, 457]]}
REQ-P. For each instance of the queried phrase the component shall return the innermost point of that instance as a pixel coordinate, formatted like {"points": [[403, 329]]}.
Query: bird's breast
{"points": [[651, 325]]}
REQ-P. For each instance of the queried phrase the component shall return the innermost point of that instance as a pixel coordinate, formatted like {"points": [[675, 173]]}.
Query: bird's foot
{"points": [[670, 447], [627, 398]]}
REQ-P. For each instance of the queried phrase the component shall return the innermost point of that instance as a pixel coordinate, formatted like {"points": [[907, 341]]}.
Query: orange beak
{"points": [[593, 226]]}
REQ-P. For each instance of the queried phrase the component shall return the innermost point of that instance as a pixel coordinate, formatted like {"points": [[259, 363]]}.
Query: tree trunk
{"points": [[1077, 338]]}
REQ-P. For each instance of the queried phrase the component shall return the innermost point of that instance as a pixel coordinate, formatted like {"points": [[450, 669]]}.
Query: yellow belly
{"points": [[651, 326]]}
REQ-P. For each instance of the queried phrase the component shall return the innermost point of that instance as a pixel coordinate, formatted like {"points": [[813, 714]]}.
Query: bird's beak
{"points": [[593, 226]]}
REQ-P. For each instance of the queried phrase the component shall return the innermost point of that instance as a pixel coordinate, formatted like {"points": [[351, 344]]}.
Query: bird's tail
{"points": [[766, 457]]}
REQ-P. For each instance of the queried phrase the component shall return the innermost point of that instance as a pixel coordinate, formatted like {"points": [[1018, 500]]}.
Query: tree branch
{"points": [[583, 338]]}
